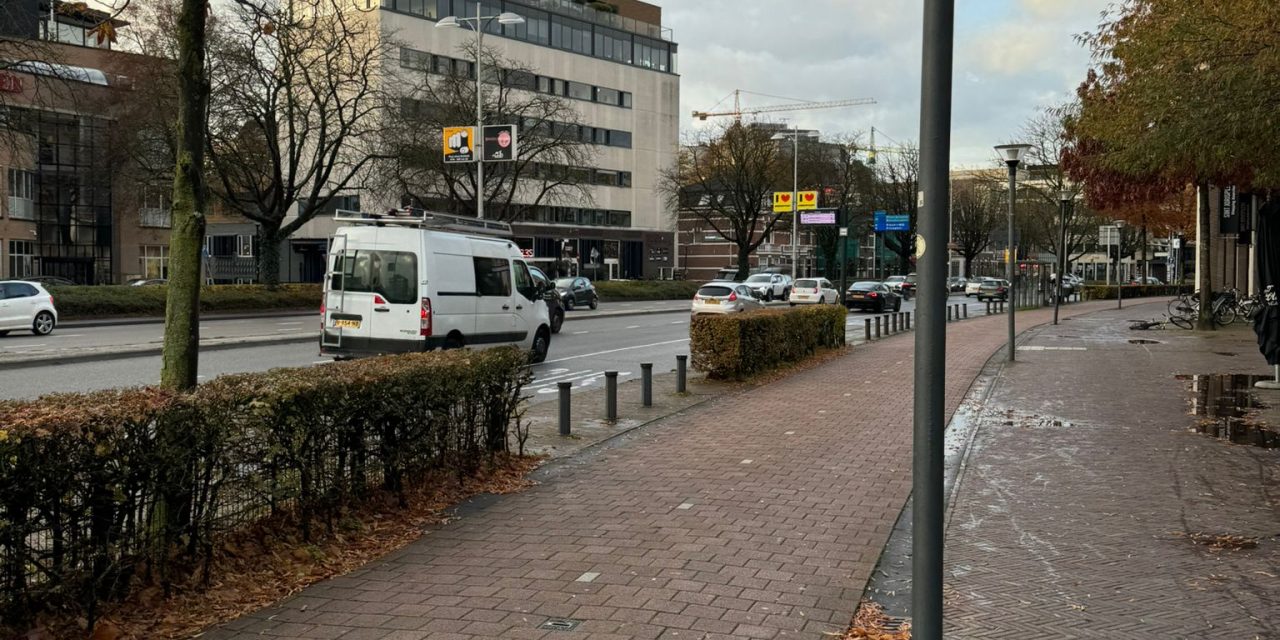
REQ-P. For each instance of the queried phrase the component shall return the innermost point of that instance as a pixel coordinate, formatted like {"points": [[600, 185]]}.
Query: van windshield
{"points": [[392, 274]]}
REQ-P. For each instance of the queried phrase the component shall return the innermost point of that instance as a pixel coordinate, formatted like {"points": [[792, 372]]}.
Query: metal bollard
{"points": [[866, 324], [877, 327], [950, 309], [964, 310], [611, 396], [646, 383], [893, 322], [988, 307], [681, 364], [564, 406], [907, 315]]}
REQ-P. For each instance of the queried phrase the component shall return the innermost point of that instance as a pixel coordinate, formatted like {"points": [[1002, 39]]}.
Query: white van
{"points": [[398, 284]]}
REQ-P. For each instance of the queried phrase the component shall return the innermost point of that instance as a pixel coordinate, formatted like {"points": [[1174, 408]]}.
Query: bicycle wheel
{"points": [[1181, 307], [1182, 322], [1225, 314]]}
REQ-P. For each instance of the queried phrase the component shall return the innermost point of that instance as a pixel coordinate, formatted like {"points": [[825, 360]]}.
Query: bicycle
{"points": [[1185, 309]]}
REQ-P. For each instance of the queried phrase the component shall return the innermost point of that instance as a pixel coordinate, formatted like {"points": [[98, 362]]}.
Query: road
{"points": [[586, 347]]}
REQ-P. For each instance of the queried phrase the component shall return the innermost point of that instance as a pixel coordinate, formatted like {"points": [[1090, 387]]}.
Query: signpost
{"points": [[458, 145], [892, 222], [500, 143]]}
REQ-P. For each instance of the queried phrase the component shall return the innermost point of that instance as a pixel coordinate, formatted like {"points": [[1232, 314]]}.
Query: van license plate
{"points": [[347, 324]]}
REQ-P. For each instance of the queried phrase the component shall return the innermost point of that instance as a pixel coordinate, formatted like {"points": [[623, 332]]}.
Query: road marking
{"points": [[581, 333], [589, 576], [685, 506], [288, 323], [634, 326], [747, 461], [576, 376], [678, 322], [559, 373], [601, 353], [71, 335], [30, 346]]}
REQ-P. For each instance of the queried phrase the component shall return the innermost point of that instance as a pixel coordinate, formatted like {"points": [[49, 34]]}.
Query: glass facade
{"points": [[564, 25], [445, 65]]}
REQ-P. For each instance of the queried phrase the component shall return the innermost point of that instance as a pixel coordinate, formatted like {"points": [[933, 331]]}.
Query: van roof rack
{"points": [[421, 218]]}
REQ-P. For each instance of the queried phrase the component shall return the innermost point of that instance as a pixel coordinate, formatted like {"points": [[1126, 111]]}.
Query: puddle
{"points": [[1143, 341], [1227, 404], [1229, 354]]}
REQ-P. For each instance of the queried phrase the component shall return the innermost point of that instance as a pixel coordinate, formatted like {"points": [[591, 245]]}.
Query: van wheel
{"points": [[557, 320], [454, 341], [541, 345]]}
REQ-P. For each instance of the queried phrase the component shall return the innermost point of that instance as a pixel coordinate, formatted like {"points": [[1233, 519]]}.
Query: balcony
{"points": [[155, 218]]}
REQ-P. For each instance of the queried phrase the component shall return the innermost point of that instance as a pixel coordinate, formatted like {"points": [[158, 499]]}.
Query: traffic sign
{"points": [[844, 232], [458, 144], [500, 143], [824, 217], [807, 200], [781, 201]]}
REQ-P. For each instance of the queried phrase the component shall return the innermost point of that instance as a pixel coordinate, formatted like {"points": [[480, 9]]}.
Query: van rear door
{"points": [[375, 285]]}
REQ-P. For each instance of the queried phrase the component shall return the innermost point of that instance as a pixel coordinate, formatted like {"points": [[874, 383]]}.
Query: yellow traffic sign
{"points": [[459, 144], [781, 201], [807, 200]]}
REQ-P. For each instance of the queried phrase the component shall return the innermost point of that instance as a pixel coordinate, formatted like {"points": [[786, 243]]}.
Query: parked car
{"points": [[1146, 280], [956, 284], [993, 289], [148, 282], [26, 306], [971, 287], [724, 297], [770, 286], [398, 289], [555, 310], [901, 285], [577, 291], [813, 291], [872, 296], [50, 281]]}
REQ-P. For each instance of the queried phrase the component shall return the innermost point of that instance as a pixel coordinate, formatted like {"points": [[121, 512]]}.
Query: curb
{"points": [[148, 350]]}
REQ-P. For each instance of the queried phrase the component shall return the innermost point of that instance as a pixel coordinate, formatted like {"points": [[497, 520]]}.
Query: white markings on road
{"points": [[1037, 348], [288, 323], [788, 433], [634, 326], [29, 346], [576, 376], [581, 333], [677, 322], [601, 353]]}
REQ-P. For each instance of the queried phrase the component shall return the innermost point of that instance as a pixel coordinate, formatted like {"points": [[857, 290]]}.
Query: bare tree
{"points": [[975, 214], [727, 180], [554, 151], [835, 168], [897, 185], [295, 113]]}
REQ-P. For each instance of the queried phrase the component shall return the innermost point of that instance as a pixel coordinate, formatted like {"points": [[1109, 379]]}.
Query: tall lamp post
{"points": [[1064, 199], [1012, 155], [795, 135], [478, 24]]}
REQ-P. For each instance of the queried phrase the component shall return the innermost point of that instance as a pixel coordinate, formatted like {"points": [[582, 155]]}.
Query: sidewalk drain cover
{"points": [[560, 624]]}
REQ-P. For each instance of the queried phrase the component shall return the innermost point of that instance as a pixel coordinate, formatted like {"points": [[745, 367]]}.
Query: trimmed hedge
{"points": [[736, 346], [617, 290], [102, 492], [123, 300], [1108, 292]]}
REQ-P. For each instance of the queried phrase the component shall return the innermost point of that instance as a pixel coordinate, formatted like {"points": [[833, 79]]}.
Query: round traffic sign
{"points": [[504, 139]]}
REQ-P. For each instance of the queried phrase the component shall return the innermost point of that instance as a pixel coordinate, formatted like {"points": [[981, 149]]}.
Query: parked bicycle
{"points": [[1227, 306]]}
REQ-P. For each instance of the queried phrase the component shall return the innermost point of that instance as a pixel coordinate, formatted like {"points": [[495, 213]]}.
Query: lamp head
{"points": [[507, 17], [447, 22], [1012, 153], [1066, 195]]}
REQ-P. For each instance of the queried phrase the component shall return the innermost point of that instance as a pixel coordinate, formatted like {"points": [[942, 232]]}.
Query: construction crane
{"points": [[872, 149], [738, 111]]}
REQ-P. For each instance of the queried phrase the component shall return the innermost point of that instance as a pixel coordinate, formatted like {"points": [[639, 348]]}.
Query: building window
{"points": [[22, 194], [613, 45], [608, 96], [580, 91], [414, 59], [155, 260], [620, 139], [155, 210], [246, 245], [22, 258]]}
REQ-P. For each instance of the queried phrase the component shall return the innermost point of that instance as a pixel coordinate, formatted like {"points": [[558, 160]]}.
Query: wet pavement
{"points": [[1109, 490]]}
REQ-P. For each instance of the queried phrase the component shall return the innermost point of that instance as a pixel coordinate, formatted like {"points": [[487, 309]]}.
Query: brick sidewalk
{"points": [[1083, 479], [757, 515]]}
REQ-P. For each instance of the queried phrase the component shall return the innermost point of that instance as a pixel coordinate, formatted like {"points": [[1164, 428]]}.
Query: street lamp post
{"points": [[478, 25], [1064, 198], [1012, 155], [795, 134]]}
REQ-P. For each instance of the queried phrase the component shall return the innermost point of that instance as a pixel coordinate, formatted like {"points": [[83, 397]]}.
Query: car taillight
{"points": [[321, 309], [733, 297], [377, 299], [873, 295], [424, 328], [697, 298], [815, 289]]}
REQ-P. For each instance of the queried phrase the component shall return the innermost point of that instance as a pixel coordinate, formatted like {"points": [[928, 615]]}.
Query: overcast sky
{"points": [[1012, 58]]}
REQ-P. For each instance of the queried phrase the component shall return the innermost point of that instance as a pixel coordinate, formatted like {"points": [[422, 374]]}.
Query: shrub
{"points": [[1108, 292], [119, 300], [97, 490], [615, 290], [735, 346]]}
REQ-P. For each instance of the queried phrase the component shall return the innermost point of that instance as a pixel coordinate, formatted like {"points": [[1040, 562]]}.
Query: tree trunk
{"points": [[1203, 228], [744, 261], [269, 256], [182, 309]]}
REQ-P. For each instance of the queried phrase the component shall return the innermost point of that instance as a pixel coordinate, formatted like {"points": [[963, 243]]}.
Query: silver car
{"points": [[724, 297], [770, 286]]}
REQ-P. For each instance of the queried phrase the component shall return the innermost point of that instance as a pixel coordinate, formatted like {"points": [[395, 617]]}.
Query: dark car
{"points": [[993, 289], [872, 296], [904, 286], [555, 310], [50, 281], [956, 284], [577, 291]]}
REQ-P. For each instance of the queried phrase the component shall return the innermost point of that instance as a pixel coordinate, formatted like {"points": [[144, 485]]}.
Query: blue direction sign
{"points": [[892, 222]]}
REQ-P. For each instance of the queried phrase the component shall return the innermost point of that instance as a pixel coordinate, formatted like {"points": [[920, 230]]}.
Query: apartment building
{"points": [[616, 64], [69, 209]]}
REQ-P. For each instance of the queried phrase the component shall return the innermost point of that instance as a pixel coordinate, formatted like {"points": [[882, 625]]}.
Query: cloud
{"points": [[1012, 58]]}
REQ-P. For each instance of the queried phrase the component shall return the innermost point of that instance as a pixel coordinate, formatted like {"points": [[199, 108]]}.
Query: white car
{"points": [[813, 291], [724, 297], [971, 287], [770, 286], [26, 306]]}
